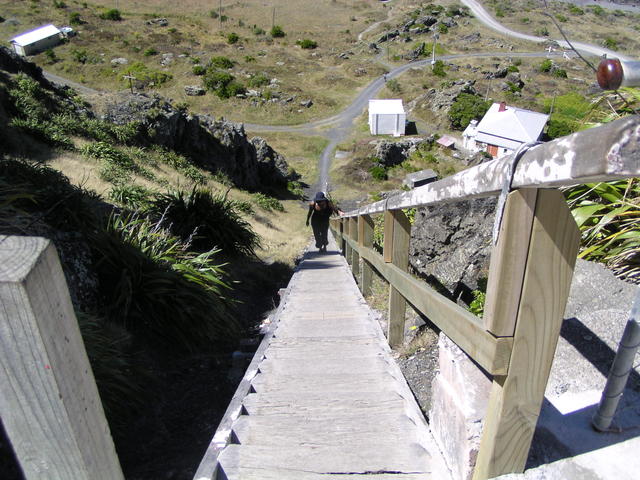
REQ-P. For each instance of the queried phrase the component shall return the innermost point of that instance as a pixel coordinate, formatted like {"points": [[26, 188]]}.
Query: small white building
{"points": [[503, 129], [387, 117], [36, 40]]}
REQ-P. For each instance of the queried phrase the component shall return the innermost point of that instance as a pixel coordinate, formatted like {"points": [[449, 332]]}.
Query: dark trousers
{"points": [[320, 227]]}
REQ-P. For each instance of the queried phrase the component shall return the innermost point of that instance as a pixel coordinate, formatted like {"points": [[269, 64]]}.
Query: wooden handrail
{"points": [[529, 276], [583, 157]]}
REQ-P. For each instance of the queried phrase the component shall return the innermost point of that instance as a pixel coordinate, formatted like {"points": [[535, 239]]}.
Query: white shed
{"points": [[387, 117], [36, 40]]}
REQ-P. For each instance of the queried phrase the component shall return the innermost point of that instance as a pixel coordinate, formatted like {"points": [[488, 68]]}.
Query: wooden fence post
{"points": [[347, 234], [516, 398], [365, 238], [355, 257], [49, 402], [396, 248]]}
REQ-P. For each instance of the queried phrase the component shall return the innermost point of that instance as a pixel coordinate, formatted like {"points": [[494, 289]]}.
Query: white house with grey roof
{"points": [[503, 129], [387, 117], [37, 40]]}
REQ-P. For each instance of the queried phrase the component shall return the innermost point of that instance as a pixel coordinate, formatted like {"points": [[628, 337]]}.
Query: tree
{"points": [[223, 84], [465, 108]]}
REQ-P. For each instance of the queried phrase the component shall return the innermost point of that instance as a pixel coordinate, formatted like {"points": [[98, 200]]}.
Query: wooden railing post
{"points": [[397, 234], [346, 232], [355, 257], [516, 398], [365, 239], [49, 401]]}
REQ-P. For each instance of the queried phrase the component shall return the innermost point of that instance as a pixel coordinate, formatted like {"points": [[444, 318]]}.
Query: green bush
{"points": [[277, 31], [258, 31], [307, 44], [575, 10], [499, 12], [268, 203], [442, 28], [199, 70], [257, 81], [559, 72], [378, 173], [394, 86], [542, 31], [545, 66], [80, 56], [610, 43], [51, 56], [438, 69], [59, 4], [74, 19], [208, 220], [465, 108], [160, 290], [559, 128], [562, 18], [213, 14], [597, 10], [149, 52], [221, 62], [145, 75], [111, 14], [130, 196], [232, 38], [222, 84]]}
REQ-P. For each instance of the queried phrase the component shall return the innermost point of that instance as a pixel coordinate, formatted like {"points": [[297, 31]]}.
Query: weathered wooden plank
{"points": [[410, 458], [400, 259], [516, 399], [355, 258], [331, 364], [284, 473], [49, 401], [508, 261], [324, 330], [351, 430], [464, 328], [365, 239], [339, 383], [387, 240], [323, 403], [310, 352], [599, 154]]}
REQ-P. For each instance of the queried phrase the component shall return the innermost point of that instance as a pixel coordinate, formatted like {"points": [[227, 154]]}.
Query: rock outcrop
{"points": [[394, 153], [451, 244], [215, 145]]}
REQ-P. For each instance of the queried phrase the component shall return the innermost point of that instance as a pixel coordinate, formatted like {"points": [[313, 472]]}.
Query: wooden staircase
{"points": [[327, 399]]}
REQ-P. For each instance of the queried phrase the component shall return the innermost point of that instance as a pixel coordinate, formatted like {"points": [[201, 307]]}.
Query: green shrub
{"points": [[80, 56], [499, 12], [149, 52], [208, 220], [559, 128], [223, 18], [575, 10], [51, 56], [542, 31], [559, 72], [525, 20], [222, 84], [442, 28], [182, 165], [307, 44], [545, 66], [161, 291], [438, 69], [378, 173], [394, 86], [74, 19], [221, 62], [232, 38], [146, 76], [249, 59], [561, 18], [111, 14], [512, 68], [199, 70], [268, 203], [130, 196], [610, 43], [258, 31], [213, 14], [465, 108], [59, 4], [257, 81], [277, 31], [597, 10]]}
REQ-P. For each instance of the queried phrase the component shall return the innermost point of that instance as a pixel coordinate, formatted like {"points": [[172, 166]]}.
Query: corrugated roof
{"points": [[389, 107], [35, 35], [446, 141], [512, 124]]}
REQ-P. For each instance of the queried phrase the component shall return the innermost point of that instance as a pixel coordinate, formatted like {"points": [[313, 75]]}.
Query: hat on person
{"points": [[320, 197]]}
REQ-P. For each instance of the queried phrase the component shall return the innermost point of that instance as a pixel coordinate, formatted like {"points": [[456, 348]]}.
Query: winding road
{"points": [[338, 127]]}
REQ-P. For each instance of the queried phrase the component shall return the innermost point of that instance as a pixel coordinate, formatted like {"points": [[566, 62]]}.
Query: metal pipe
{"points": [[614, 73], [620, 370]]}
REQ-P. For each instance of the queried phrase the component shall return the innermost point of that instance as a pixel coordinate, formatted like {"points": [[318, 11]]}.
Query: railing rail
{"points": [[529, 275]]}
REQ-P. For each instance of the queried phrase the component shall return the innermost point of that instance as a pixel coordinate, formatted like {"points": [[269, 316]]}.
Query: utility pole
{"points": [[220, 14], [433, 54], [273, 18]]}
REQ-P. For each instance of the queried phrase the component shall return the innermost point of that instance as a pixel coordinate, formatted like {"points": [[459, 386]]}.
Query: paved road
{"points": [[483, 16], [338, 127]]}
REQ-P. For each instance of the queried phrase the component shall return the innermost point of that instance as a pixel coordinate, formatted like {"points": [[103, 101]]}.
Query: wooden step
{"points": [[243, 473], [328, 383], [336, 403], [291, 462], [324, 366], [353, 430]]}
